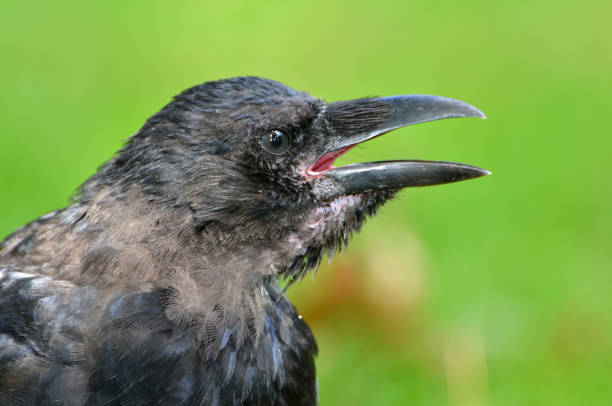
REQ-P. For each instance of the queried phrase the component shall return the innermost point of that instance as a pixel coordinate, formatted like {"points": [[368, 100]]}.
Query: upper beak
{"points": [[359, 120]]}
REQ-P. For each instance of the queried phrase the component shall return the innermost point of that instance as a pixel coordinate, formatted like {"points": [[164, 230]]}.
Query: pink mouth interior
{"points": [[326, 162]]}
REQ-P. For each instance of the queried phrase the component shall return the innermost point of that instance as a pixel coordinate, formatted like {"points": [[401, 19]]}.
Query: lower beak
{"points": [[384, 115], [391, 175]]}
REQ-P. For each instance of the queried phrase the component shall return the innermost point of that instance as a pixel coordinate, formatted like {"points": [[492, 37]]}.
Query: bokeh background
{"points": [[489, 292]]}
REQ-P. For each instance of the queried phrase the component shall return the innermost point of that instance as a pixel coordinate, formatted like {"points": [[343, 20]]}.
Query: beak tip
{"points": [[482, 172], [476, 112]]}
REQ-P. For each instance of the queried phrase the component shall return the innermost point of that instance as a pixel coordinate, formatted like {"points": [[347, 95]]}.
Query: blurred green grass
{"points": [[502, 283]]}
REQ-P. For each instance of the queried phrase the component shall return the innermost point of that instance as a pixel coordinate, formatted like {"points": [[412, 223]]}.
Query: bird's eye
{"points": [[275, 142]]}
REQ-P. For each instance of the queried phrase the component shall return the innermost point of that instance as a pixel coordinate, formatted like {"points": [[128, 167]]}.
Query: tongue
{"points": [[326, 162]]}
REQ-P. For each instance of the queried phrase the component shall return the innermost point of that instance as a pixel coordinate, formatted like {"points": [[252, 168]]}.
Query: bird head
{"points": [[252, 159]]}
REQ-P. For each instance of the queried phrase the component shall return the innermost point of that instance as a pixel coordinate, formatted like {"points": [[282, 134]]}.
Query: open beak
{"points": [[355, 121]]}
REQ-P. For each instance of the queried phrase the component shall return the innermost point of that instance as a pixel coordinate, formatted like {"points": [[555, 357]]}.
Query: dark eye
{"points": [[275, 142]]}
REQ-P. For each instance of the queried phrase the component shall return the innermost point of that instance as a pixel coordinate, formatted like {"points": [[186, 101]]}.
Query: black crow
{"points": [[159, 283]]}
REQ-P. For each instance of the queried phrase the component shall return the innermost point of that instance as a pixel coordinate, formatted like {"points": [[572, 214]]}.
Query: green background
{"points": [[493, 291]]}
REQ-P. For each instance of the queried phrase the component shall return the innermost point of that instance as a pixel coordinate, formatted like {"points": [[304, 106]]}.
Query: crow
{"points": [[161, 283]]}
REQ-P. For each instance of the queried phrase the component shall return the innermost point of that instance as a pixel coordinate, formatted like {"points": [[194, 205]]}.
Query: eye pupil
{"points": [[275, 142], [275, 139]]}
